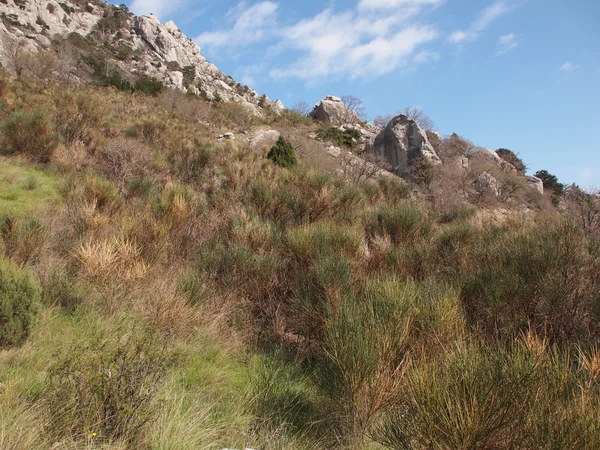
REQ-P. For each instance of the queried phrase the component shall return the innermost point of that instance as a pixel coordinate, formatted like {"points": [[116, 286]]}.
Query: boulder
{"points": [[402, 143], [332, 109], [486, 184], [535, 183], [483, 156], [264, 138], [334, 151]]}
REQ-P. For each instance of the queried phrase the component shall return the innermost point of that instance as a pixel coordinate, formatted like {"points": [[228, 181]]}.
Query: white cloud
{"points": [[250, 24], [506, 43], [481, 22], [568, 66], [354, 45], [389, 4], [347, 43], [159, 8]]}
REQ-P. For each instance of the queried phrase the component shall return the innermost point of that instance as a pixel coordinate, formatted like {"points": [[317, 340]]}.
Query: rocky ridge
{"points": [[143, 45]]}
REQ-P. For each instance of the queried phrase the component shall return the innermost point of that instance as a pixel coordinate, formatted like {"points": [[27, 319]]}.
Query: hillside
{"points": [[180, 270]]}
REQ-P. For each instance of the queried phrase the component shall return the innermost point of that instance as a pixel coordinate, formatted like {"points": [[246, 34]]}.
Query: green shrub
{"points": [[283, 153], [30, 134], [19, 304], [335, 135], [541, 277], [148, 86], [107, 384], [403, 222]]}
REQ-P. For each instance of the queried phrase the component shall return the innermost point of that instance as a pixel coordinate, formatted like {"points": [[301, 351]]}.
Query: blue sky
{"points": [[519, 74]]}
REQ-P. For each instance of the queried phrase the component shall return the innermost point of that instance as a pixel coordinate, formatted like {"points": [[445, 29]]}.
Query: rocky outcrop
{"points": [[535, 183], [161, 51], [402, 143], [483, 157], [332, 109]]}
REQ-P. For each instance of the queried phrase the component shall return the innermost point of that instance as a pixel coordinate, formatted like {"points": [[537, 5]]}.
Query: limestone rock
{"points": [[486, 184], [402, 143], [332, 109], [334, 151], [535, 183], [491, 158], [264, 138]]}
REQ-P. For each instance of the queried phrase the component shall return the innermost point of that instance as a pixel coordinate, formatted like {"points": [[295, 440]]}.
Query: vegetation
{"points": [[512, 158], [283, 154], [19, 303], [163, 290]]}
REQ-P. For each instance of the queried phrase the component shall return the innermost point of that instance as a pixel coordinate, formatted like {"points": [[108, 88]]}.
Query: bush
{"points": [[20, 297], [107, 383], [403, 222], [22, 238], [511, 157], [335, 135], [148, 86], [29, 134], [283, 153]]}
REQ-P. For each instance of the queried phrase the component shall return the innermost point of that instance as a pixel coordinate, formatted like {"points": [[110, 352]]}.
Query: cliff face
{"points": [[139, 45]]}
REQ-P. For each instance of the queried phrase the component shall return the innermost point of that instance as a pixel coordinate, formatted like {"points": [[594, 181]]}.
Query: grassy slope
{"points": [[305, 312]]}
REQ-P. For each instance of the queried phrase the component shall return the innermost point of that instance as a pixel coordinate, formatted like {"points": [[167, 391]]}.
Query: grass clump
{"points": [[283, 154], [19, 304]]}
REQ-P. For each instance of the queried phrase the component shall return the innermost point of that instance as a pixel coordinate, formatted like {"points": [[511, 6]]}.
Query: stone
{"points": [[402, 143], [332, 109], [251, 109], [535, 183], [264, 138], [486, 184], [334, 151], [229, 136], [491, 158]]}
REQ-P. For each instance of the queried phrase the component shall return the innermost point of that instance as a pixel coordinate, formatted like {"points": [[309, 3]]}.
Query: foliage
{"points": [[512, 158], [29, 134], [550, 182], [107, 384], [19, 304], [283, 153], [347, 137]]}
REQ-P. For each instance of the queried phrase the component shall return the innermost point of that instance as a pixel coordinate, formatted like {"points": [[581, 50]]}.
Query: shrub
{"points": [[148, 86], [283, 153], [335, 135], [22, 238], [106, 383], [470, 400], [76, 117], [29, 134], [403, 222], [19, 303], [512, 158]]}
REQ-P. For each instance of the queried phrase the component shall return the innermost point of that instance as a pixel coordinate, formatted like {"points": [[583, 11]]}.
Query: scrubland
{"points": [[159, 290]]}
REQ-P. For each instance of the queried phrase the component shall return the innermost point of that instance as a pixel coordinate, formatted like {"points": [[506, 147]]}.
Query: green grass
{"points": [[25, 188]]}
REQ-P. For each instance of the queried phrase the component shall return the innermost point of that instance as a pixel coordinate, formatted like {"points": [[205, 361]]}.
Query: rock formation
{"points": [[147, 47], [332, 109], [402, 143], [535, 183]]}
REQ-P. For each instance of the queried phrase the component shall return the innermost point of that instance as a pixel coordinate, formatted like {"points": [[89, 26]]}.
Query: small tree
{"points": [[283, 153], [550, 182], [302, 109], [355, 109], [419, 116]]}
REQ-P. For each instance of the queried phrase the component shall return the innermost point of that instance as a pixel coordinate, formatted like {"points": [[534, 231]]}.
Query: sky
{"points": [[516, 74]]}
